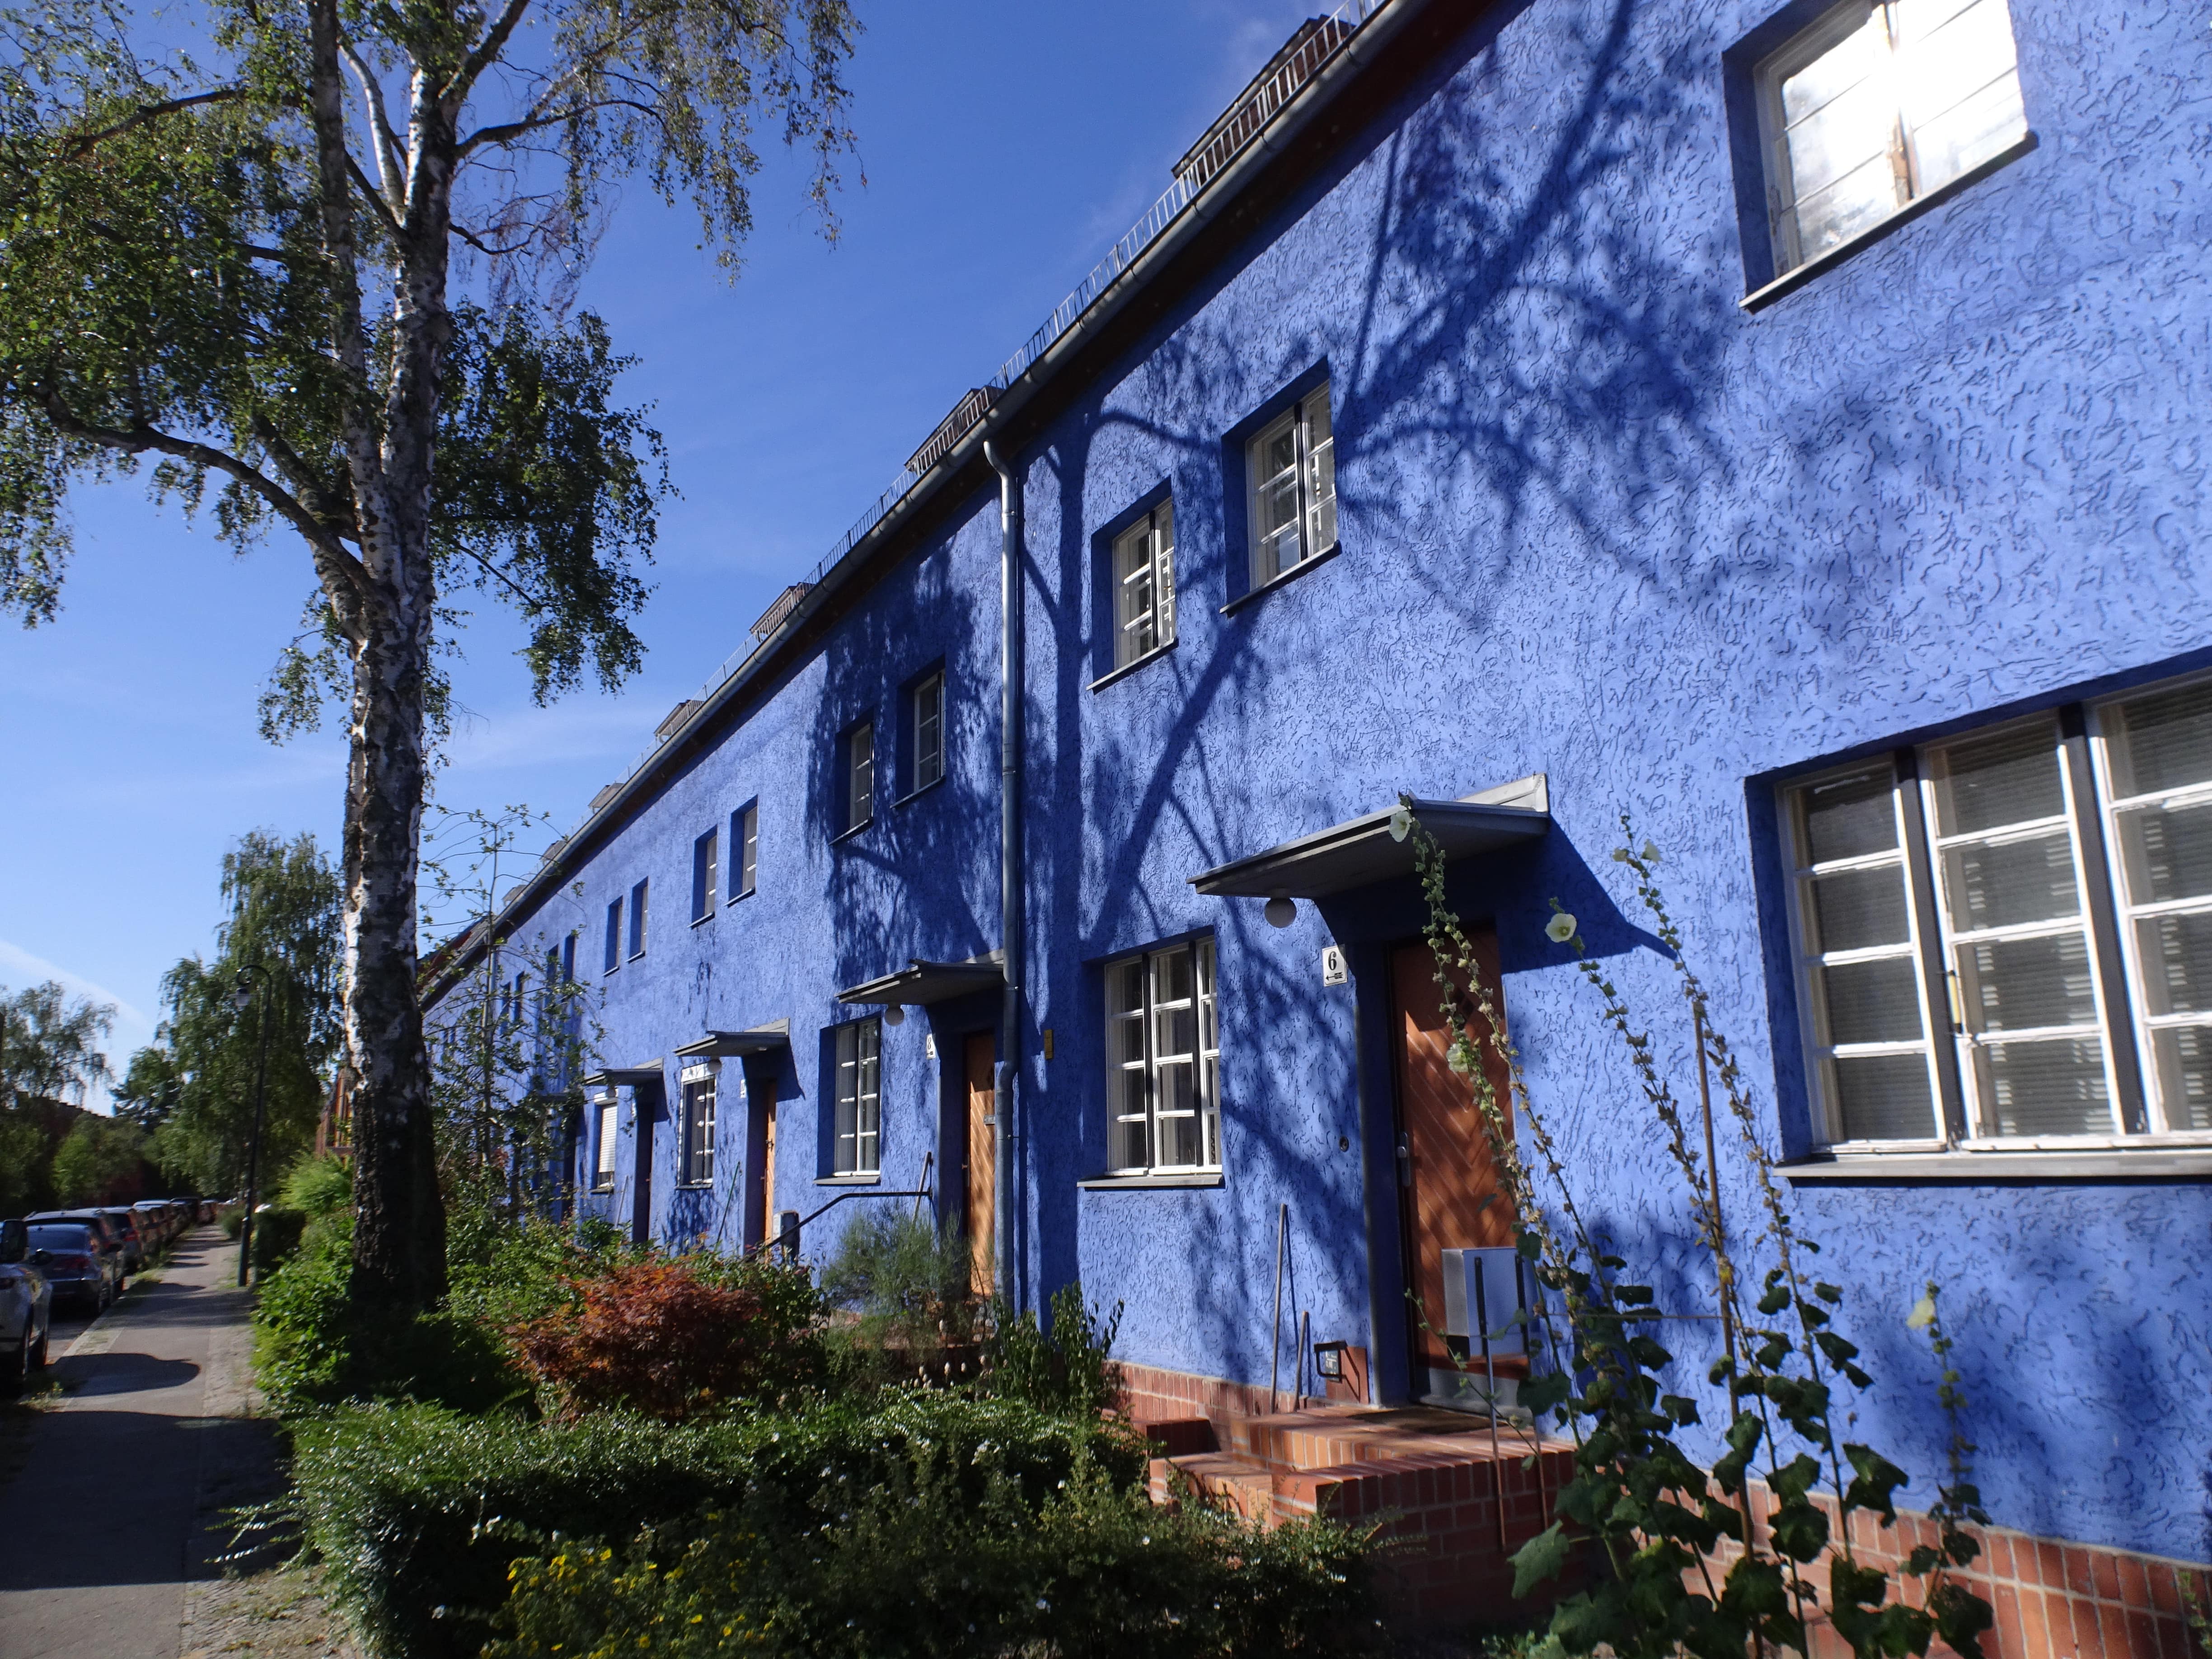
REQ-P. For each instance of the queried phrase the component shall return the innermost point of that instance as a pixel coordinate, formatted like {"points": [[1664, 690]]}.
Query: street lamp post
{"points": [[241, 998]]}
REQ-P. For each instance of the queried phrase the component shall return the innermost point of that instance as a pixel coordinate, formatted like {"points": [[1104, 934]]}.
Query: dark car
{"points": [[137, 1241], [77, 1259], [110, 1234], [25, 1306], [157, 1221]]}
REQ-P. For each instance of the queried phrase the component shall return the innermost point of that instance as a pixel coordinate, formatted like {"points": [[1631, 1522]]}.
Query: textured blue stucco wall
{"points": [[1596, 522]]}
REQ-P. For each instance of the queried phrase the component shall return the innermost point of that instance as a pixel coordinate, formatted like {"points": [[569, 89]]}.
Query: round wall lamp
{"points": [[1281, 911], [895, 1014]]}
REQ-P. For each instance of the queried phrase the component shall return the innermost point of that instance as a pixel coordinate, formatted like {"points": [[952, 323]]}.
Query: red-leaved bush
{"points": [[676, 1337]]}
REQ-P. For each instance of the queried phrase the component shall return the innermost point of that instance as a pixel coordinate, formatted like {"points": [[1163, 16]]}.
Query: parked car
{"points": [[109, 1231], [27, 1301], [157, 1222], [138, 1248], [78, 1259]]}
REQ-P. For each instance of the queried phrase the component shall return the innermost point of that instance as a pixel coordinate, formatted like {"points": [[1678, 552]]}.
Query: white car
{"points": [[26, 1305]]}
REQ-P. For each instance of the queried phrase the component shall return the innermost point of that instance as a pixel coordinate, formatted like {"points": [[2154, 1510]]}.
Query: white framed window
{"points": [[745, 842], [705, 853], [1162, 1062], [637, 921], [859, 1128], [928, 715], [698, 1126], [1144, 586], [603, 1166], [859, 776], [1290, 471], [2155, 769], [614, 935], [2005, 938], [1877, 105]]}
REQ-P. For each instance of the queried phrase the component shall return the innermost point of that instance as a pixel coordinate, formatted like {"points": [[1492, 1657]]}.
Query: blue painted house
{"points": [[1783, 422]]}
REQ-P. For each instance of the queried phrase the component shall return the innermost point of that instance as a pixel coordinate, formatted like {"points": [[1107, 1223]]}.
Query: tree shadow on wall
{"points": [[1523, 354], [920, 879]]}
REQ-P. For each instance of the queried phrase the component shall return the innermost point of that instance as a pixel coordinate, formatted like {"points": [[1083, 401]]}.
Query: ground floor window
{"points": [[1163, 1061], [603, 1169], [698, 1127], [858, 1148], [2006, 937]]}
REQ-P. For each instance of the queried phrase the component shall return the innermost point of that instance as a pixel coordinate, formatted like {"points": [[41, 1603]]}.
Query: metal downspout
{"points": [[1005, 1130]]}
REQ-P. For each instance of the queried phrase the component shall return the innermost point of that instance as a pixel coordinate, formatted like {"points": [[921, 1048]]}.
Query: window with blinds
{"points": [[858, 1128], [2006, 938], [1144, 586], [1163, 1061], [1876, 106], [603, 1167], [744, 843], [1291, 471], [699, 1131]]}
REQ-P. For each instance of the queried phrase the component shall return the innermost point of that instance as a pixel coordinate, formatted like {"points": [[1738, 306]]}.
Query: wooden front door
{"points": [[1451, 1196], [766, 1164], [642, 1102], [980, 1058]]}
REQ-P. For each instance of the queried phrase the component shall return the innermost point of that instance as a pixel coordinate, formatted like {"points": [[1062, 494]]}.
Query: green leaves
{"points": [[1542, 1558]]}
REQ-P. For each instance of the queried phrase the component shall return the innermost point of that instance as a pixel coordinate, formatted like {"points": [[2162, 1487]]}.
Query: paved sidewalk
{"points": [[109, 1518]]}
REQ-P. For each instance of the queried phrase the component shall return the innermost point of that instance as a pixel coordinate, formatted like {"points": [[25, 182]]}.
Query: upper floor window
{"points": [[706, 852], [1144, 586], [745, 844], [1291, 471], [614, 935], [1875, 106], [929, 734], [698, 1164], [1162, 1062], [859, 776], [2007, 936], [568, 956], [859, 1129], [637, 921]]}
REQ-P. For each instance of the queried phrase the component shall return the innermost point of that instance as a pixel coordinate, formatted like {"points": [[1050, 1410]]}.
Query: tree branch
{"points": [[507, 131], [455, 91], [376, 197], [391, 154], [343, 577], [85, 144], [301, 477]]}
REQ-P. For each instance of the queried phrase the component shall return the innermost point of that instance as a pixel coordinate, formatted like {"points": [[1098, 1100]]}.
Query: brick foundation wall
{"points": [[1151, 1395]]}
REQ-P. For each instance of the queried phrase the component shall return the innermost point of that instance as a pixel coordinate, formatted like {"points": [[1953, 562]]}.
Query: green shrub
{"points": [[417, 1511], [277, 1234], [918, 1567], [527, 1270], [1065, 1368], [312, 1347], [318, 1186], [906, 1291]]}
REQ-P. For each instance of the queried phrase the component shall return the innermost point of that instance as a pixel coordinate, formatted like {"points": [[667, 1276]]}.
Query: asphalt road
{"points": [[114, 1505]]}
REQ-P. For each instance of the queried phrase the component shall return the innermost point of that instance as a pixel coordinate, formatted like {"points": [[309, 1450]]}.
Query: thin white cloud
{"points": [[531, 737], [21, 968]]}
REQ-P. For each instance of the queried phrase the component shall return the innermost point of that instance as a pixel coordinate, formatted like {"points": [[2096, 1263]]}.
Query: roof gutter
{"points": [[1218, 195]]}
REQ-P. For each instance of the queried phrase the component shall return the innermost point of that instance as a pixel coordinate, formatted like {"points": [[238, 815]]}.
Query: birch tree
{"points": [[307, 263]]}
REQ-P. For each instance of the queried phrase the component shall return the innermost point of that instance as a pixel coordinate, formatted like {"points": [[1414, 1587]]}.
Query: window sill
{"points": [[1139, 1183], [938, 782], [1282, 578], [735, 897], [1970, 1168], [875, 1179], [707, 1186], [708, 916], [1132, 666], [1790, 281], [843, 835], [607, 1191]]}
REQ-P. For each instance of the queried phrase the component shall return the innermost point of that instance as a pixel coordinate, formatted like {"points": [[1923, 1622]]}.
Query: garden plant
{"points": [[1729, 1560]]}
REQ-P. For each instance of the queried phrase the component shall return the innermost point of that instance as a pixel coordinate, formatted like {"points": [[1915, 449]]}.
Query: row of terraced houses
{"points": [[1784, 424]]}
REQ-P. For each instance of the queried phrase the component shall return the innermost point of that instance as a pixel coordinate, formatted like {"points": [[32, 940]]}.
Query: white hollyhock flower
{"points": [[1923, 1313], [1401, 825], [1560, 928], [1650, 854]]}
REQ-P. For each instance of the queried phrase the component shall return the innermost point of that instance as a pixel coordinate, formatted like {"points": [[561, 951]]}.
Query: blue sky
{"points": [[1005, 146]]}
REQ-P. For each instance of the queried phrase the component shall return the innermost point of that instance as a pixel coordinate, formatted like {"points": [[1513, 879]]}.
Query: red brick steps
{"points": [[1427, 1477]]}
